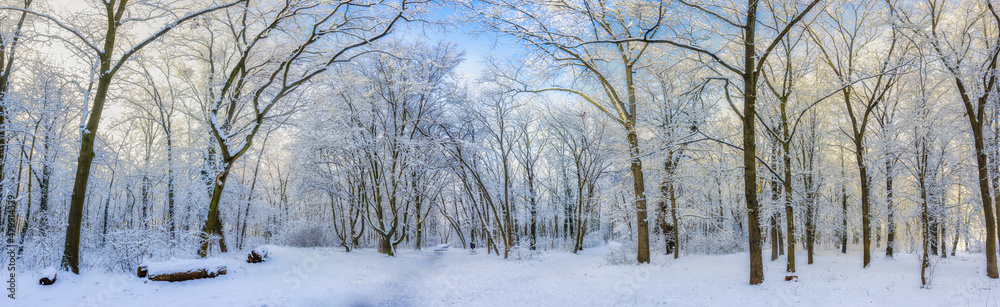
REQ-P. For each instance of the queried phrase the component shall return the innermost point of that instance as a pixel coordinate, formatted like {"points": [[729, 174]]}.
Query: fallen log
{"points": [[188, 275], [181, 270], [48, 277], [257, 255]]}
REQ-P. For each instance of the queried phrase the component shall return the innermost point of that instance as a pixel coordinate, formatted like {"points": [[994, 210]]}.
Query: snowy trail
{"points": [[331, 277], [405, 285]]}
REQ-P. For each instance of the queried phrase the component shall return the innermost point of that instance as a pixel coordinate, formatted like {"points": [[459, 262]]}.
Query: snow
{"points": [[261, 250], [331, 277], [215, 124], [184, 265], [49, 272]]}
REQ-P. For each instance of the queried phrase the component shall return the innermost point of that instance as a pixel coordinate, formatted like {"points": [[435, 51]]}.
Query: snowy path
{"points": [[330, 277]]}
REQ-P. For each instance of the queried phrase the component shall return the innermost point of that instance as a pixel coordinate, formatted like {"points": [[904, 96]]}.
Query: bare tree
{"points": [[264, 76], [745, 34], [971, 59], [158, 85], [600, 46], [497, 119], [528, 155], [584, 139], [808, 146], [8, 51], [677, 117], [781, 77], [108, 63], [952, 53], [848, 35]]}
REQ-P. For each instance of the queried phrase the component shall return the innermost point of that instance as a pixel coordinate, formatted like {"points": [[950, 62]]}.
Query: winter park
{"points": [[500, 152]]}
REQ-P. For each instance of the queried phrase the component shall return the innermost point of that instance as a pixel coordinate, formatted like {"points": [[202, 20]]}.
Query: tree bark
{"points": [[984, 194], [924, 216], [810, 222], [924, 262], [673, 215], [776, 248], [213, 224], [890, 239], [71, 251], [750, 144], [789, 212], [975, 112], [866, 234], [172, 224], [843, 204], [943, 242], [639, 188], [532, 202]]}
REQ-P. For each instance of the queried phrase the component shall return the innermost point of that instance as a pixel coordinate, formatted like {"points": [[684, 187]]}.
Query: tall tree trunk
{"points": [[27, 211], [890, 239], [866, 233], [508, 227], [789, 212], [925, 215], [172, 224], [954, 244], [944, 242], [107, 205], [750, 143], [775, 228], [932, 229], [843, 229], [534, 206], [810, 215], [975, 111], [71, 251], [995, 158], [810, 228], [420, 224], [808, 162], [781, 236], [213, 224], [578, 213], [145, 190], [924, 262], [639, 188], [27, 215], [673, 215], [44, 185], [984, 186], [104, 221], [661, 211], [418, 205]]}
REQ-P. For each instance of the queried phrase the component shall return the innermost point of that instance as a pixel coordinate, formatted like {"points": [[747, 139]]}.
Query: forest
{"points": [[174, 129]]}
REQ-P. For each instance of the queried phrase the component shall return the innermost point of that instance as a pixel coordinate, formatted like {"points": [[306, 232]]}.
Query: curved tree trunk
{"points": [[213, 224]]}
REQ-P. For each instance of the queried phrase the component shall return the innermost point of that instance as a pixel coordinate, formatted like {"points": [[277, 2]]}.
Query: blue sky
{"points": [[454, 30]]}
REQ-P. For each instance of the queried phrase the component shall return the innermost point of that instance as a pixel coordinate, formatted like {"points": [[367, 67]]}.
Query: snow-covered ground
{"points": [[331, 277]]}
